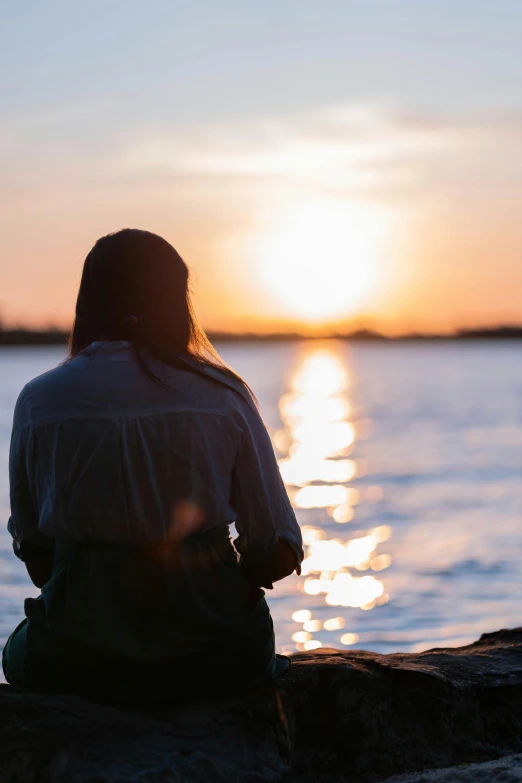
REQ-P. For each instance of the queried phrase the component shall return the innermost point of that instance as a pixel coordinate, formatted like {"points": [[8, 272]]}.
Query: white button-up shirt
{"points": [[100, 453]]}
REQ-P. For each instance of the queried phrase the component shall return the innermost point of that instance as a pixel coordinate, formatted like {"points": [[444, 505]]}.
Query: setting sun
{"points": [[322, 260]]}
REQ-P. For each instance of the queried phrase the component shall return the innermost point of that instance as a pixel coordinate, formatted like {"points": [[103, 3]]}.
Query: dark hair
{"points": [[134, 287]]}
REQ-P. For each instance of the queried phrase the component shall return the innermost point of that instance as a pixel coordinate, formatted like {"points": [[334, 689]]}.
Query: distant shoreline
{"points": [[21, 336]]}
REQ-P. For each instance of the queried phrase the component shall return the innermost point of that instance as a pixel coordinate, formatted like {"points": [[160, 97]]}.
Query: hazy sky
{"points": [[312, 162]]}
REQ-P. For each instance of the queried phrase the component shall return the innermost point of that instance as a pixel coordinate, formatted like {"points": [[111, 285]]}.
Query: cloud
{"points": [[342, 146], [370, 149]]}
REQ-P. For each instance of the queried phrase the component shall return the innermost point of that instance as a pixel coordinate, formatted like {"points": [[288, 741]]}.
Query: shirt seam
{"points": [[130, 416]]}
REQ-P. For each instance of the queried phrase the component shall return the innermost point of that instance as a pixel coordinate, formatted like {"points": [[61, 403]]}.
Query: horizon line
{"points": [[21, 335]]}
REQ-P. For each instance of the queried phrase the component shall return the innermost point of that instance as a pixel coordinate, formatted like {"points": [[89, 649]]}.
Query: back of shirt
{"points": [[102, 454], [113, 456]]}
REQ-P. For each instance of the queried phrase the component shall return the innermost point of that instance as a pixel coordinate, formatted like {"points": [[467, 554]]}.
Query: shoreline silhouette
{"points": [[18, 336]]}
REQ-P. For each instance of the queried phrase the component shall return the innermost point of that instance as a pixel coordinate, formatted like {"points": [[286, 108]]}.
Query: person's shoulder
{"points": [[48, 384], [53, 377], [231, 389]]}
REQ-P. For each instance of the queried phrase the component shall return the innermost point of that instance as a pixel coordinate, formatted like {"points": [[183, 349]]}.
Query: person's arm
{"points": [[284, 561], [29, 544], [269, 539], [39, 571], [38, 562]]}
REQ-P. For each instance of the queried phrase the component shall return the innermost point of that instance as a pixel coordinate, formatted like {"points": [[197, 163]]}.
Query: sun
{"points": [[322, 260]]}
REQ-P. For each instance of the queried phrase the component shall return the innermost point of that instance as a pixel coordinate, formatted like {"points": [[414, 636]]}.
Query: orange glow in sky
{"points": [[321, 261], [310, 182]]}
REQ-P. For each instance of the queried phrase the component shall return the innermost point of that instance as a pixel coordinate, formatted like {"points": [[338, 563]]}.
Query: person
{"points": [[128, 464]]}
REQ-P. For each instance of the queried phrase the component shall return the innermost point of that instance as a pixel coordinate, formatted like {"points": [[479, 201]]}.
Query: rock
{"points": [[335, 716], [508, 769]]}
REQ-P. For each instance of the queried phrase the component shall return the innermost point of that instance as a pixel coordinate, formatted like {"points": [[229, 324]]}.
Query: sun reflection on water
{"points": [[318, 466]]}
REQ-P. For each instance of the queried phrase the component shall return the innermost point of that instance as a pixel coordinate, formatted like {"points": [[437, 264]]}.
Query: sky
{"points": [[317, 165]]}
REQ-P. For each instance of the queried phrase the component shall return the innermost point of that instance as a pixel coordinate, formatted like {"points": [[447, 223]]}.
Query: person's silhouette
{"points": [[128, 464]]}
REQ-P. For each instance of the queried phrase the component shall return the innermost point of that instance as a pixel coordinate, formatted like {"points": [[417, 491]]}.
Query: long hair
{"points": [[135, 287]]}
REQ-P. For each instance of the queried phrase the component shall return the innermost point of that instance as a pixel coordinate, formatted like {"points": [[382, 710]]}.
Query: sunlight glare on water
{"points": [[424, 549], [408, 458], [318, 436]]}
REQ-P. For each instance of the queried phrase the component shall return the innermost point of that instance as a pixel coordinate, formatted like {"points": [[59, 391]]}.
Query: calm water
{"points": [[404, 464]]}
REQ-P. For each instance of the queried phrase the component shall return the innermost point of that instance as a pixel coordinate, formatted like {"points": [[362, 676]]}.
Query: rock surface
{"points": [[507, 769], [334, 716]]}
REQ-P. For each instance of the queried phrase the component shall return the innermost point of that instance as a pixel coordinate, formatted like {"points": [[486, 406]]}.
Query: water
{"points": [[404, 463]]}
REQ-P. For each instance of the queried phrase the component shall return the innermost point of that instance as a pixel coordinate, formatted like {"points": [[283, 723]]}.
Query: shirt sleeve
{"points": [[259, 498], [28, 541]]}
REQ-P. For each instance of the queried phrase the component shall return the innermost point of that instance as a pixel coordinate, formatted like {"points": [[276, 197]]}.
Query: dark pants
{"points": [[34, 660]]}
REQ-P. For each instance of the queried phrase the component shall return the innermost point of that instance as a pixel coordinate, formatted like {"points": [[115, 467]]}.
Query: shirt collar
{"points": [[118, 350]]}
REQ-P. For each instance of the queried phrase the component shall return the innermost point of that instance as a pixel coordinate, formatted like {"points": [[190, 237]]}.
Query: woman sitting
{"points": [[128, 464]]}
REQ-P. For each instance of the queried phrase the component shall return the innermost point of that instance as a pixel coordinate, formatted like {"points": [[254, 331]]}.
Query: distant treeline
{"points": [[22, 336]]}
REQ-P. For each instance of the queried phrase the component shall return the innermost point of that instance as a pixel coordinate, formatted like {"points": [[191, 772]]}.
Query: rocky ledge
{"points": [[334, 716]]}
